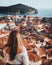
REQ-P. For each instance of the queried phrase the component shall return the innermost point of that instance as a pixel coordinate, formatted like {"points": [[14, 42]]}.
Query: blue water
{"points": [[44, 13], [41, 13]]}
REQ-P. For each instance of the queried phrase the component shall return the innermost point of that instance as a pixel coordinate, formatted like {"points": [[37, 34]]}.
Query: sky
{"points": [[38, 4]]}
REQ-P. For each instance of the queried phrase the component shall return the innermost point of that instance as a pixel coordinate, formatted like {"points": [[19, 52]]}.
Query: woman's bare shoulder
{"points": [[6, 49]]}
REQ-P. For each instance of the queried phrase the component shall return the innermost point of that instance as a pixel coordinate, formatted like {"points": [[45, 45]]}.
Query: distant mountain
{"points": [[19, 9]]}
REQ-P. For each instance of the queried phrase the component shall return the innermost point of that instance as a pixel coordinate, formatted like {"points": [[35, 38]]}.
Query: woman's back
{"points": [[19, 58]]}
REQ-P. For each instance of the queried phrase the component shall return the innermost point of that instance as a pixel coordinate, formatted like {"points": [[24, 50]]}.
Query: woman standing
{"points": [[14, 51]]}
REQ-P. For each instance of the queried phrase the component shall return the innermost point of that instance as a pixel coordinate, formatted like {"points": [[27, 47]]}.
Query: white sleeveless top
{"points": [[20, 58]]}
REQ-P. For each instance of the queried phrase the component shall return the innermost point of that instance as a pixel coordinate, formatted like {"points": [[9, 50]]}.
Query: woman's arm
{"points": [[6, 56], [25, 57]]}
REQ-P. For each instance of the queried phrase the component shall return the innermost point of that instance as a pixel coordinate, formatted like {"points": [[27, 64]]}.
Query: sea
{"points": [[41, 13]]}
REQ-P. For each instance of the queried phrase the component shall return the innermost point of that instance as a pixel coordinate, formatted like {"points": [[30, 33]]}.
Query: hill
{"points": [[19, 9]]}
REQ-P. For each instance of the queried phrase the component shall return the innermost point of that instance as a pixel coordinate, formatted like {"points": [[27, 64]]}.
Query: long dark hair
{"points": [[12, 44]]}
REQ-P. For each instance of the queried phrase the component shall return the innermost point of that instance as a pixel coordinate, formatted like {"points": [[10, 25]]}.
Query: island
{"points": [[18, 8]]}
